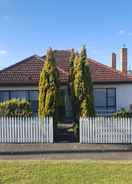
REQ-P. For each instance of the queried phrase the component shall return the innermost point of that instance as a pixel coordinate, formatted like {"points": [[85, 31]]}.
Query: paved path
{"points": [[63, 147], [65, 151], [71, 156]]}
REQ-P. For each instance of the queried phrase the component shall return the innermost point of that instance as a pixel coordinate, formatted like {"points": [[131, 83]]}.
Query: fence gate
{"points": [[26, 130], [106, 130]]}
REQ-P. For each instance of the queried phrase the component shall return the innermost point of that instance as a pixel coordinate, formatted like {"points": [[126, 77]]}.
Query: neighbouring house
{"points": [[112, 88]]}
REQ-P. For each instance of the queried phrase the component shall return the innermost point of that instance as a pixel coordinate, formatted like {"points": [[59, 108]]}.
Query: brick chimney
{"points": [[124, 61], [113, 61]]}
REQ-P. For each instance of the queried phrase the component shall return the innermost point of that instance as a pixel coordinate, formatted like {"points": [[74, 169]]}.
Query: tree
{"points": [[83, 88], [71, 63], [71, 79], [48, 87]]}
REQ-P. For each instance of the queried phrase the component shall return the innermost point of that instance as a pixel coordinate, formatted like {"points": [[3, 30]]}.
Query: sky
{"points": [[29, 27]]}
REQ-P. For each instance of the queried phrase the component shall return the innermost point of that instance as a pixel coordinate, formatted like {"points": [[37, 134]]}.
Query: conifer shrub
{"points": [[83, 86], [49, 87], [71, 82]]}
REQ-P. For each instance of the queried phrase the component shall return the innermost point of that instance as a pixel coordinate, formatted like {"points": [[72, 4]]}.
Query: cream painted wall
{"points": [[123, 94]]}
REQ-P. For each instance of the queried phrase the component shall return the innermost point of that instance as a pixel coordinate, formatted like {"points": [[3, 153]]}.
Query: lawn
{"points": [[65, 172]]}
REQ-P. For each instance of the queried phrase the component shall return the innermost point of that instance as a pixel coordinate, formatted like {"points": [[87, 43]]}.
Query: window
{"points": [[111, 97], [33, 95], [4, 95], [105, 98], [100, 97], [19, 94], [30, 95], [33, 98]]}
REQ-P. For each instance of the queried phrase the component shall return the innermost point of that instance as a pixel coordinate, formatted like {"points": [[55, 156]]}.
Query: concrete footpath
{"points": [[117, 156], [59, 148]]}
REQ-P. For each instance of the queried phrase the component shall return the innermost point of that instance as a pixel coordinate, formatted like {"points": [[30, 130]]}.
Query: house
{"points": [[112, 88]]}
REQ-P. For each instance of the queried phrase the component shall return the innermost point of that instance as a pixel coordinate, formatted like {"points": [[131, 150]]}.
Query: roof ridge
{"points": [[62, 50]]}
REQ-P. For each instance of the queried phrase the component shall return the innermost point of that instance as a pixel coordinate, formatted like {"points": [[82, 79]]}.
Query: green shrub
{"points": [[123, 113], [15, 107]]}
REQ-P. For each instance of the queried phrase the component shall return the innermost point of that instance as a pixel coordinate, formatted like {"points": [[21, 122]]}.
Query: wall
{"points": [[123, 94]]}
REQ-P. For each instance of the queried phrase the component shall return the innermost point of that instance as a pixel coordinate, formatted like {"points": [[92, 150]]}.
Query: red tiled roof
{"points": [[28, 71], [24, 72]]}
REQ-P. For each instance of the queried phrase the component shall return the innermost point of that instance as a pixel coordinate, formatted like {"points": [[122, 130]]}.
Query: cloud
{"points": [[122, 32], [3, 52]]}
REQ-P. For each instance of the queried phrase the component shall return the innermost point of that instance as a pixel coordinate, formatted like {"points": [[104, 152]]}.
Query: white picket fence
{"points": [[106, 130], [26, 130]]}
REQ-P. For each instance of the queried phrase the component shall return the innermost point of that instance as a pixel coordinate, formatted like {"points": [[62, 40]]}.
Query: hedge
{"points": [[123, 113], [15, 107]]}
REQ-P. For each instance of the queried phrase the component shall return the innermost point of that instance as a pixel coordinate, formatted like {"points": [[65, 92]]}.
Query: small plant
{"points": [[15, 107], [123, 113]]}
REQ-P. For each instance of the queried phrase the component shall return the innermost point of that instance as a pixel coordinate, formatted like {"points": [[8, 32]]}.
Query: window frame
{"points": [[28, 96], [107, 107], [32, 101]]}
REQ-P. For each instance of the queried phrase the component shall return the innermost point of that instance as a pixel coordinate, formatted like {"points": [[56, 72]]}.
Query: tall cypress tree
{"points": [[71, 63], [71, 79], [87, 105], [83, 85], [48, 87]]}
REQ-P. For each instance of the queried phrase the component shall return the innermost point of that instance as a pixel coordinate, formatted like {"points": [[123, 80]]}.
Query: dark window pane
{"points": [[33, 95], [33, 98], [19, 94], [111, 92], [4, 95], [34, 106], [105, 99], [111, 97], [100, 98], [111, 101]]}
